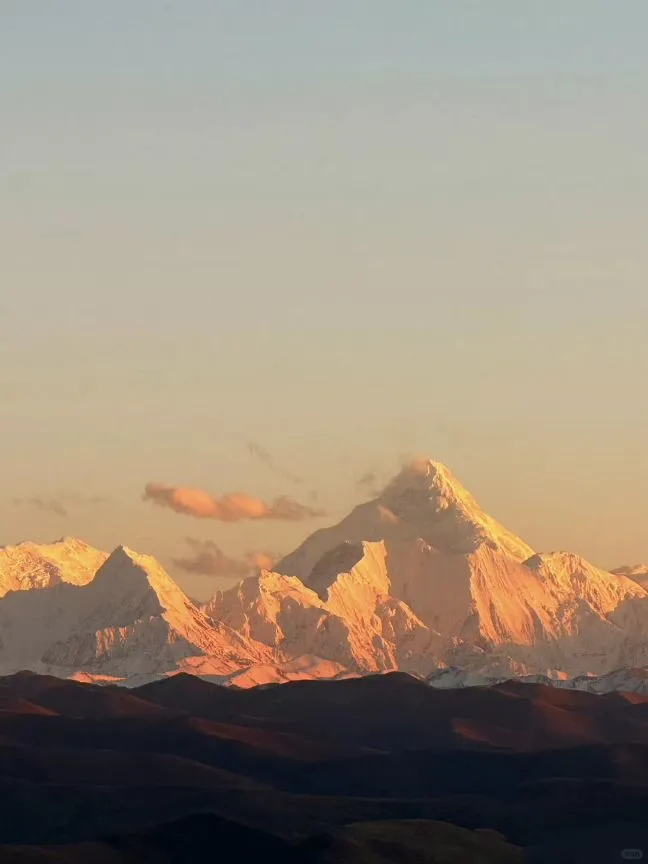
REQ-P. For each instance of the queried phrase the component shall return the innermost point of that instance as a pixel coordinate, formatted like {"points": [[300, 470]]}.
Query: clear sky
{"points": [[343, 230]]}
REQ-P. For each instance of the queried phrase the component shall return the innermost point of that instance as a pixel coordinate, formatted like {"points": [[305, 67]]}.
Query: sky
{"points": [[342, 232]]}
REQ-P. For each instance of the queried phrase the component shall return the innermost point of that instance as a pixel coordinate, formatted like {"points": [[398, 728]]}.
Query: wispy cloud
{"points": [[367, 479], [371, 482], [263, 456], [208, 559], [61, 504], [234, 507], [45, 505]]}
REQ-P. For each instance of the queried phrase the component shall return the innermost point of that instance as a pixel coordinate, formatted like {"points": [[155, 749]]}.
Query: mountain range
{"points": [[418, 579]]}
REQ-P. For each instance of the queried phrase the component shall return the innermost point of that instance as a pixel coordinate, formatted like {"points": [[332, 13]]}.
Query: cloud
{"points": [[371, 482], [367, 479], [208, 559], [46, 505], [62, 503], [262, 560], [375, 480], [234, 507], [417, 463], [263, 456]]}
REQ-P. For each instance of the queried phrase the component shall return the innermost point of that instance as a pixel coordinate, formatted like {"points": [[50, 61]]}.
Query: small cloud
{"points": [[263, 456], [417, 464], [62, 503], [370, 483], [234, 507], [208, 559], [262, 560], [367, 479], [45, 505]]}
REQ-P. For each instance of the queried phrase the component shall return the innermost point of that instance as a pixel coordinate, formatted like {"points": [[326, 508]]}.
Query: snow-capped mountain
{"points": [[418, 579], [475, 594], [636, 572], [29, 565], [620, 680], [356, 624], [128, 619], [423, 502]]}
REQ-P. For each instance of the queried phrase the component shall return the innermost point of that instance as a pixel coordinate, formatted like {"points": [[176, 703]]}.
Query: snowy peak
{"points": [[637, 572], [424, 503], [428, 497], [125, 570], [466, 590], [423, 481], [131, 619], [139, 582], [570, 573], [351, 621], [27, 566]]}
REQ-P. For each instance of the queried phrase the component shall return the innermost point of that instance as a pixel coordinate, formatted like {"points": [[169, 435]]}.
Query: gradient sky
{"points": [[345, 230]]}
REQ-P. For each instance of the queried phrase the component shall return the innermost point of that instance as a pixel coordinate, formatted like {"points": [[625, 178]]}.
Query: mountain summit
{"points": [[427, 495], [425, 502], [29, 565], [126, 620], [471, 591]]}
